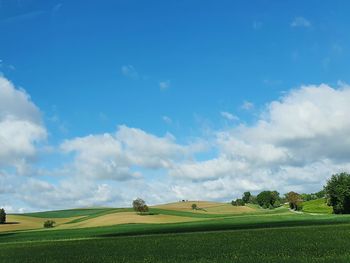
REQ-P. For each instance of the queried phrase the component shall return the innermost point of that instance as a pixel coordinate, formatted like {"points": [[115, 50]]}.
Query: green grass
{"points": [[260, 211], [317, 206], [68, 213], [297, 244], [231, 223], [263, 236]]}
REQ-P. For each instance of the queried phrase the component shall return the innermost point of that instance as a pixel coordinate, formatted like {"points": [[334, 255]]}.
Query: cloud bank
{"points": [[297, 142]]}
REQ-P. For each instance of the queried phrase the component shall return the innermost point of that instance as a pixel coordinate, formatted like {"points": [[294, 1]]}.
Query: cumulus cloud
{"points": [[300, 22], [298, 142], [21, 127], [113, 155]]}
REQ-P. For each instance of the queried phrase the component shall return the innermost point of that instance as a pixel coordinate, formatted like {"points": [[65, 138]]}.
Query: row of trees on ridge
{"points": [[336, 193]]}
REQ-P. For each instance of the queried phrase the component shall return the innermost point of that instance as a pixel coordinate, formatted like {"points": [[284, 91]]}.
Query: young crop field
{"points": [[327, 243], [183, 235]]}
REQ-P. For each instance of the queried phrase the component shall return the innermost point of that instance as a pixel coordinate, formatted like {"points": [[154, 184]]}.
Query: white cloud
{"points": [[298, 142], [113, 156], [164, 85], [21, 127], [229, 116], [300, 22]]}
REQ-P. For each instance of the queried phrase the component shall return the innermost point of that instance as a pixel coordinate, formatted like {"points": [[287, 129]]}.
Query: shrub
{"points": [[299, 206], [49, 223], [194, 206]]}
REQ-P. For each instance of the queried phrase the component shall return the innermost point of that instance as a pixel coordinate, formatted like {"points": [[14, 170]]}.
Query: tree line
{"points": [[336, 193]]}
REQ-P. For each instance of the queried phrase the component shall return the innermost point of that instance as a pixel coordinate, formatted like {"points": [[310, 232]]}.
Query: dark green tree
{"points": [[140, 206], [338, 193], [194, 206], [2, 216], [320, 194], [238, 202], [49, 223], [267, 199], [246, 197]]}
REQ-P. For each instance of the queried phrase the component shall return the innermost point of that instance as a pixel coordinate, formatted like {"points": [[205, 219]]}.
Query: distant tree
{"points": [[320, 194], [49, 223], [267, 199], [2, 216], [140, 206], [338, 193], [238, 202], [253, 200], [194, 206], [246, 197], [295, 200]]}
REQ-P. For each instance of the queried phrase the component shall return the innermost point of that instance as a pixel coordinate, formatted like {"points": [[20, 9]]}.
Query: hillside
{"points": [[317, 206], [179, 212]]}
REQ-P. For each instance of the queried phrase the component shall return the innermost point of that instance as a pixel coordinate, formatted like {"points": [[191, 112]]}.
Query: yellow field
{"points": [[210, 207], [129, 218], [17, 222]]}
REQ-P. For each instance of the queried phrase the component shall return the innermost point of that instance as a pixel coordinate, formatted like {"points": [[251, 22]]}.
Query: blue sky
{"points": [[183, 71]]}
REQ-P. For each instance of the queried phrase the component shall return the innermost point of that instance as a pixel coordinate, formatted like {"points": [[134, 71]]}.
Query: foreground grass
{"points": [[295, 244]]}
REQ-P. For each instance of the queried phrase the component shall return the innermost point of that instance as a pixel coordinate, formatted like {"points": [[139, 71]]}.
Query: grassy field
{"points": [[317, 206], [175, 233], [297, 244]]}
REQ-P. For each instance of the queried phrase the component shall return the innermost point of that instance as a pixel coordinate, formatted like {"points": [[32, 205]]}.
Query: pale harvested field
{"points": [[129, 218], [210, 207], [16, 222]]}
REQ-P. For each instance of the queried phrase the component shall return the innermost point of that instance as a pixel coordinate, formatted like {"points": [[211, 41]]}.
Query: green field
{"points": [[317, 206], [228, 235]]}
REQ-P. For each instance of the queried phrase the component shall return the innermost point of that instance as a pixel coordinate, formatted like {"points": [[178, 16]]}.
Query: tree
{"points": [[237, 202], [267, 199], [194, 206], [246, 197], [295, 200], [49, 223], [320, 194], [2, 216], [338, 193], [140, 206]]}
